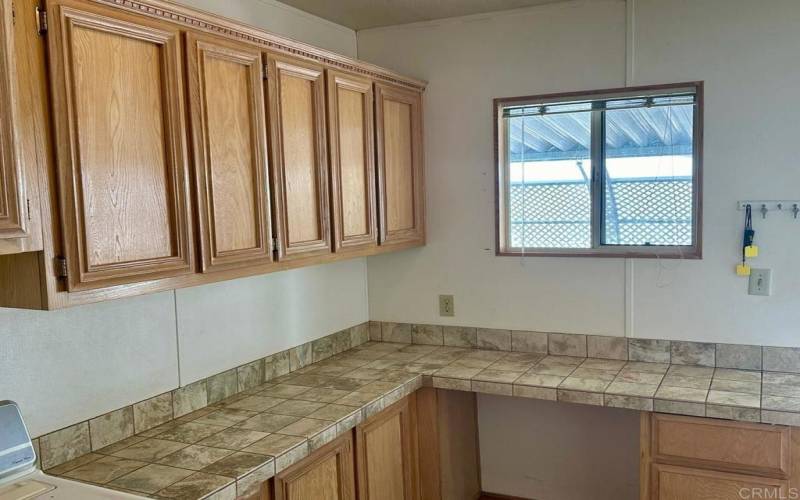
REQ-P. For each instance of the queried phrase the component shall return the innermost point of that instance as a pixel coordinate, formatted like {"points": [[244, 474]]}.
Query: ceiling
{"points": [[363, 14]]}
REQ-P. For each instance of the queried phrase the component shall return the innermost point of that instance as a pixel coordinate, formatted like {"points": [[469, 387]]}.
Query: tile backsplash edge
{"points": [[719, 355], [54, 448]]}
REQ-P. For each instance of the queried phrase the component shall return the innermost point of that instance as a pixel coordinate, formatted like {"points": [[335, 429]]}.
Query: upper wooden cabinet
{"points": [[229, 139], [299, 157], [398, 119], [12, 188], [119, 121], [352, 153]]}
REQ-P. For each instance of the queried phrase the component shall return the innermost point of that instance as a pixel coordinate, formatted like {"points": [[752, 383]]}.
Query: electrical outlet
{"points": [[760, 282], [446, 305]]}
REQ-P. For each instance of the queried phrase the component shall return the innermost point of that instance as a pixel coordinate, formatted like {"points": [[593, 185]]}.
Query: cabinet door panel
{"points": [[327, 474], [229, 139], [679, 483], [120, 132], [386, 454], [351, 132], [12, 192], [300, 180], [400, 184]]}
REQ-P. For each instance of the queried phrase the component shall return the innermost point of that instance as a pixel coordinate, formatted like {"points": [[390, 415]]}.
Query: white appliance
{"points": [[19, 477]]}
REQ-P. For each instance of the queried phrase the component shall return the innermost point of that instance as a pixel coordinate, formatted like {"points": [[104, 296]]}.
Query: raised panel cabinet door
{"points": [[680, 483], [326, 474], [120, 130], [352, 159], [401, 196], [299, 157], [386, 454], [229, 138], [12, 189]]}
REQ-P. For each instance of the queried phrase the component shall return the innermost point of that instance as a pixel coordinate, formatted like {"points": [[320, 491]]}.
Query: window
{"points": [[612, 173]]}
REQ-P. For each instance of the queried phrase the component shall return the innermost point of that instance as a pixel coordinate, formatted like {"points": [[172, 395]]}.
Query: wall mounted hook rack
{"points": [[767, 206]]}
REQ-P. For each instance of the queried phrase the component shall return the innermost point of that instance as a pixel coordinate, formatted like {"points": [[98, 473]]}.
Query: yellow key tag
{"points": [[742, 270], [751, 251]]}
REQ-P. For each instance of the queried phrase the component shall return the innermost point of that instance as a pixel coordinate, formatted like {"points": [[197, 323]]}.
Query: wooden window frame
{"points": [[598, 249]]}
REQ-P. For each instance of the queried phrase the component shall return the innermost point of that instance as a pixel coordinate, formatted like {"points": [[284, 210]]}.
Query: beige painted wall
{"points": [[66, 366], [746, 51]]}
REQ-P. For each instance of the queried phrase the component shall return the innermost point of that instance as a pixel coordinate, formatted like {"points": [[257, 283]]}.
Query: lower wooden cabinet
{"points": [[386, 454], [691, 458], [326, 474]]}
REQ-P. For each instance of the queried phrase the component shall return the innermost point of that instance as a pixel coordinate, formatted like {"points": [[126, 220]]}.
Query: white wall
{"points": [[66, 366], [746, 52]]}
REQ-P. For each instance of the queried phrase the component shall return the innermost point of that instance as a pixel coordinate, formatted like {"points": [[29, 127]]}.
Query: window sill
{"points": [[691, 253]]}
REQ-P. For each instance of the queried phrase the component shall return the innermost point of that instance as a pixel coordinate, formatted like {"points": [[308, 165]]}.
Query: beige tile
{"points": [[375, 331], [233, 438], [285, 391], [190, 432], [489, 375], [222, 385], [494, 339], [780, 418], [648, 350], [539, 380], [296, 408], [562, 344], [733, 413], [628, 402], [741, 375], [524, 391], [225, 417], [503, 389], [359, 334], [679, 407], [781, 359], [64, 445], [104, 470], [341, 341], [693, 353], [357, 399], [150, 450], [646, 367], [453, 384], [622, 388], [307, 427], [74, 464], [198, 485], [333, 412], [111, 427], [266, 422], [584, 384], [634, 377], [607, 347], [780, 403], [189, 398], [592, 373], [460, 336], [250, 375], [684, 394], [516, 364], [396, 332], [256, 403], [691, 371], [275, 445], [195, 457], [321, 349], [427, 334], [525, 341], [734, 399], [300, 356], [688, 382], [151, 478], [250, 485], [276, 365], [152, 412], [119, 445], [238, 464], [744, 357], [586, 398], [736, 386]]}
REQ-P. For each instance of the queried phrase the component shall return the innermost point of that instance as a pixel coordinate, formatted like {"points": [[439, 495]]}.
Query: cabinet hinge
{"points": [[266, 71], [41, 20], [28, 207], [274, 244], [13, 13], [61, 267]]}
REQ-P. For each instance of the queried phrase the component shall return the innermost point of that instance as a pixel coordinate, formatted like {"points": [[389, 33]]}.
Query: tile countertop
{"points": [[229, 448]]}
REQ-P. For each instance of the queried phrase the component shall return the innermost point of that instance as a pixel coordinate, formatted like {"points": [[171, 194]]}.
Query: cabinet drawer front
{"points": [[117, 95], [679, 483], [732, 446]]}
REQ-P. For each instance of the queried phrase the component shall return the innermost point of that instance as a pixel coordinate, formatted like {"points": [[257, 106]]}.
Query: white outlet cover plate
{"points": [[760, 282]]}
